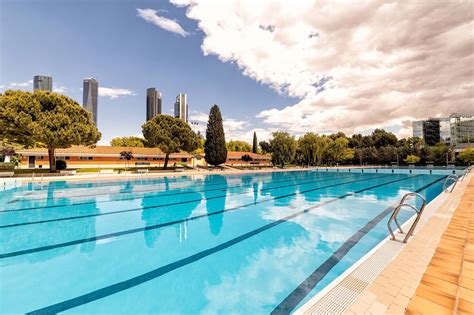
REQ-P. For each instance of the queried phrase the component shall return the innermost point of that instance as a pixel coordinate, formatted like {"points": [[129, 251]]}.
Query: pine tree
{"points": [[255, 143], [214, 148]]}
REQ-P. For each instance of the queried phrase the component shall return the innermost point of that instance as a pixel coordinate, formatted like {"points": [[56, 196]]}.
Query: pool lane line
{"points": [[298, 294], [267, 175], [163, 205], [104, 182], [160, 225], [148, 196], [117, 190], [158, 272]]}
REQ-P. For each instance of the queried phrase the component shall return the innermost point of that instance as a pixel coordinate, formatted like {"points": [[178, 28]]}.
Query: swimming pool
{"points": [[248, 244]]}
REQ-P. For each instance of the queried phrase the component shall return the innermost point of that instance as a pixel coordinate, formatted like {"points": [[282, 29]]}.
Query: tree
{"points": [[238, 146], [467, 155], [246, 158], [308, 146], [323, 143], [412, 159], [340, 151], [50, 118], [382, 138], [283, 148], [126, 155], [438, 152], [170, 135], [215, 146], [255, 143], [134, 142], [265, 146]]}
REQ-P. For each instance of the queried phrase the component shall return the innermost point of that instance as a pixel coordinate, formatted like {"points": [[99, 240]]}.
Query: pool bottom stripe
{"points": [[157, 226], [135, 281], [295, 297]]}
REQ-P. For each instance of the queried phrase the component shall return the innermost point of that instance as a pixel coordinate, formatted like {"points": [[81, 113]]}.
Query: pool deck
{"points": [[447, 285], [433, 273]]}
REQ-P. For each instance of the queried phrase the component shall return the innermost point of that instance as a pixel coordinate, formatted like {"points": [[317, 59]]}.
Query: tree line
{"points": [[380, 147]]}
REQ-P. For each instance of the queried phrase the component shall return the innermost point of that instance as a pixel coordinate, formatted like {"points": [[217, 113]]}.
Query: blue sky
{"points": [[297, 66], [71, 40]]}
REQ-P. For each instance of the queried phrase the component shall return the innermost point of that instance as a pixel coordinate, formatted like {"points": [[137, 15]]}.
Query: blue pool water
{"points": [[243, 244]]}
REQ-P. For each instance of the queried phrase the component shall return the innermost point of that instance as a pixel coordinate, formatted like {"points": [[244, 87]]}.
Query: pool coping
{"points": [[340, 297], [125, 176]]}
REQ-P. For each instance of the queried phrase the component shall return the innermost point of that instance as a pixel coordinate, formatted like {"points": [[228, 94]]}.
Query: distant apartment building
{"points": [[456, 129], [42, 83], [428, 130], [90, 95], [153, 103], [181, 107], [461, 128]]}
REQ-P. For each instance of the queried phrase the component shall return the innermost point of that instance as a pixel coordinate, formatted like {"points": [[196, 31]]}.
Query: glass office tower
{"points": [[153, 103], [90, 95], [42, 83], [181, 107]]}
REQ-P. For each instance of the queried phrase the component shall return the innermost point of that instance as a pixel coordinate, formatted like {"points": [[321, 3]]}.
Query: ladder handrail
{"points": [[452, 177], [466, 171], [397, 209]]}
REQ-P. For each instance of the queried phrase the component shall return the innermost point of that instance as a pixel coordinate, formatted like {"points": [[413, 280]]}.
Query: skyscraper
{"points": [[90, 94], [455, 129], [181, 107], [43, 83], [153, 103]]}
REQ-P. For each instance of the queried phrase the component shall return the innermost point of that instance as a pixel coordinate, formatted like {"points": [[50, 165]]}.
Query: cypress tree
{"points": [[214, 147], [255, 143]]}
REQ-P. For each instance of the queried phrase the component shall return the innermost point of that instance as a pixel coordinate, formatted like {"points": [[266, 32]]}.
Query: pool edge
{"points": [[338, 298]]}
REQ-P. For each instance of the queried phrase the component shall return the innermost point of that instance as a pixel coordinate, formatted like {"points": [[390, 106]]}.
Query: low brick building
{"points": [[247, 158], [101, 157]]}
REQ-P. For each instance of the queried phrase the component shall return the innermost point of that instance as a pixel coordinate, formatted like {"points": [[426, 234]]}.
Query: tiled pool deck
{"points": [[415, 281], [447, 286]]}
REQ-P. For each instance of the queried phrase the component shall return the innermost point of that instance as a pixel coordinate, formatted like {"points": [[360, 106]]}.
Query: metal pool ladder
{"points": [[396, 211], [453, 179]]}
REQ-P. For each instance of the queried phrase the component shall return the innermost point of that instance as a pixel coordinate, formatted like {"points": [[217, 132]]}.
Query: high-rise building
{"points": [[428, 130], [181, 107], [462, 128], [456, 129], [90, 95], [153, 103], [43, 83]]}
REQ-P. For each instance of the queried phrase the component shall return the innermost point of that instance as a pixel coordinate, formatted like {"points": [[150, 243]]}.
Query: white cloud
{"points": [[234, 129], [20, 84], [114, 93], [60, 89], [355, 66], [169, 25]]}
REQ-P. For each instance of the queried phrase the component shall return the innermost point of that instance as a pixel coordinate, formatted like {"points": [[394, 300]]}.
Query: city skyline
{"points": [[250, 72]]}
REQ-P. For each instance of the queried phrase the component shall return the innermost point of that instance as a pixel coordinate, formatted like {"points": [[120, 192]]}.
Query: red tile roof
{"points": [[255, 156], [102, 150]]}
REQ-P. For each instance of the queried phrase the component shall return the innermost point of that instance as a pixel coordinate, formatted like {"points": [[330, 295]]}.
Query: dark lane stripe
{"points": [[136, 191], [132, 282], [164, 205], [157, 226], [158, 194], [295, 297]]}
